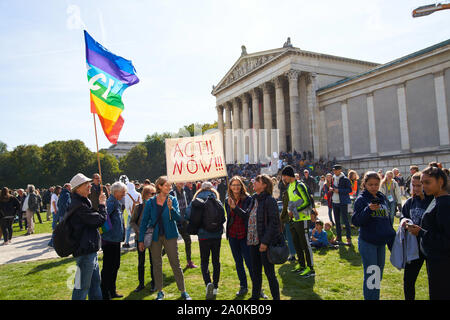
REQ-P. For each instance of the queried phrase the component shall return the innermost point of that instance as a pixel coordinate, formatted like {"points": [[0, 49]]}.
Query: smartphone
{"points": [[376, 201]]}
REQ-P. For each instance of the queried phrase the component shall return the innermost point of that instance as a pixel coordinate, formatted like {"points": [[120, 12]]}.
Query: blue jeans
{"points": [[128, 231], [330, 214], [241, 252], [392, 207], [54, 224], [341, 210], [373, 257], [87, 278], [288, 235]]}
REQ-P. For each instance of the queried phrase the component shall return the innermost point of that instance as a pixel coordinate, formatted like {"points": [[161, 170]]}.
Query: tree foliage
{"points": [[58, 161]]}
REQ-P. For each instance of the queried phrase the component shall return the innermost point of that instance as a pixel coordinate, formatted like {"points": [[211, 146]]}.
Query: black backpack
{"points": [[195, 221], [33, 204], [213, 215], [63, 240]]}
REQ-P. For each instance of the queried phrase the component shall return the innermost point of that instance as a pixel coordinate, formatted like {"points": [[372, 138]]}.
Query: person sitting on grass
{"points": [[319, 238], [330, 234]]}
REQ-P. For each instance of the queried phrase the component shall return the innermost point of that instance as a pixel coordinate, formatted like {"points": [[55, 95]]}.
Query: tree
{"points": [[156, 154], [134, 164], [3, 147], [26, 165]]}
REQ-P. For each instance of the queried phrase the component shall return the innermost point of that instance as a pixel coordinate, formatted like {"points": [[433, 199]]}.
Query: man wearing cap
{"points": [[85, 222], [341, 188], [299, 209]]}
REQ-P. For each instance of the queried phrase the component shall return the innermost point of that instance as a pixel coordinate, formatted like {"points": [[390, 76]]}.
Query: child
{"points": [[330, 234], [319, 237], [312, 223]]}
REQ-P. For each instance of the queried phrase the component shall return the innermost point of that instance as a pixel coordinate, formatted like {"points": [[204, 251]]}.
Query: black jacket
{"points": [[435, 232], [268, 219], [9, 208], [85, 222], [241, 212]]}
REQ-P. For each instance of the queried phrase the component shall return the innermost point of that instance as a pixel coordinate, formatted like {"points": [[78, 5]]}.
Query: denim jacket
{"points": [[114, 211]]}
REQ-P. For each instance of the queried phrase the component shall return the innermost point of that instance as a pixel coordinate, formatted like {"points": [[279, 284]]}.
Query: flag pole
{"points": [[98, 156]]}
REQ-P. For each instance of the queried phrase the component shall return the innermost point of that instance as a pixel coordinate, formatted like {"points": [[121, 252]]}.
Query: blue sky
{"points": [[179, 49]]}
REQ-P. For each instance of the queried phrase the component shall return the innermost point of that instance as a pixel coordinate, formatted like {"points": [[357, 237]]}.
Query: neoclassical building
{"points": [[364, 114]]}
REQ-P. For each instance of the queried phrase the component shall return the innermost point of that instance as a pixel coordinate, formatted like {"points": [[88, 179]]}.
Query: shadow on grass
{"points": [[294, 286], [349, 253], [50, 265]]}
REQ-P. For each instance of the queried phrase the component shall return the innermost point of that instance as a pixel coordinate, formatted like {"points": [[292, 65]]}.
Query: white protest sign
{"points": [[195, 158]]}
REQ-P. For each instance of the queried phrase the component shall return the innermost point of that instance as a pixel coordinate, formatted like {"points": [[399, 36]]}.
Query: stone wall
{"points": [[401, 162]]}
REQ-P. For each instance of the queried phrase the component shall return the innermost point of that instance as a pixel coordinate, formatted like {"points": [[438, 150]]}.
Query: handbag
{"points": [[148, 237], [278, 253]]}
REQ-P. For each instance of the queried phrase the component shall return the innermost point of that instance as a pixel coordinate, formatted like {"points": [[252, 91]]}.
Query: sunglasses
{"points": [[152, 193]]}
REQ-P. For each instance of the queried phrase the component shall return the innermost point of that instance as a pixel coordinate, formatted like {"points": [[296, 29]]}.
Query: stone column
{"points": [[404, 133], [441, 105], [245, 124], [267, 117], [236, 126], [292, 76], [229, 154], [372, 127], [256, 121], [345, 128], [280, 113], [220, 123], [314, 118]]}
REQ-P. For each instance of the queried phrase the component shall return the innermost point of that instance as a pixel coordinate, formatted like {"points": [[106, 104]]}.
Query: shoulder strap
{"points": [[71, 212]]}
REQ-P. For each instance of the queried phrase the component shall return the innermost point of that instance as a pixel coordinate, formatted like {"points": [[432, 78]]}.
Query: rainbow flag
{"points": [[108, 75]]}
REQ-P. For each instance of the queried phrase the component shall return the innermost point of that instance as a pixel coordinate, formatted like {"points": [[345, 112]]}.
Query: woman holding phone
{"points": [[434, 233], [375, 231], [413, 211]]}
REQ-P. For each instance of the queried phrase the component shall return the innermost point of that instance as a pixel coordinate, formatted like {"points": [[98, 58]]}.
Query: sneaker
{"points": [[191, 265], [126, 245], [263, 295], [291, 258], [185, 296], [139, 288], [308, 273], [215, 291], [298, 268], [209, 291], [160, 296], [242, 292]]}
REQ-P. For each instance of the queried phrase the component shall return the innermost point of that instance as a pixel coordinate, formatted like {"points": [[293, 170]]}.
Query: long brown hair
{"points": [[4, 194], [264, 178], [243, 193]]}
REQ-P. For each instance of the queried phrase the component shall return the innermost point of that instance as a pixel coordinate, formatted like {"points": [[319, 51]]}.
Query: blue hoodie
{"points": [[375, 226]]}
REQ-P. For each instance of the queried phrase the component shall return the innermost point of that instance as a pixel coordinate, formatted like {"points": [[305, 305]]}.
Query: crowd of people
{"points": [[256, 212]]}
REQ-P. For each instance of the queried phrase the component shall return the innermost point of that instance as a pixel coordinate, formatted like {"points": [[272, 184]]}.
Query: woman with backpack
{"points": [[9, 205], [209, 237]]}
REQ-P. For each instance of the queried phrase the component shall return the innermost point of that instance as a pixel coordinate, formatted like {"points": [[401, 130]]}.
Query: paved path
{"points": [[34, 247]]}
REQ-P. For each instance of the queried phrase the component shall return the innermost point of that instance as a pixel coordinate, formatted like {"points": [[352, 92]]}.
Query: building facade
{"points": [[364, 114]]}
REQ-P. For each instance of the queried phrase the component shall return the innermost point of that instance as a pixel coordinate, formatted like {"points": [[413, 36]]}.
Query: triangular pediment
{"points": [[246, 64]]}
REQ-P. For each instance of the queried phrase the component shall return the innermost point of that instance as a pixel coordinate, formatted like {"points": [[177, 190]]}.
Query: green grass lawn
{"points": [[339, 276]]}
